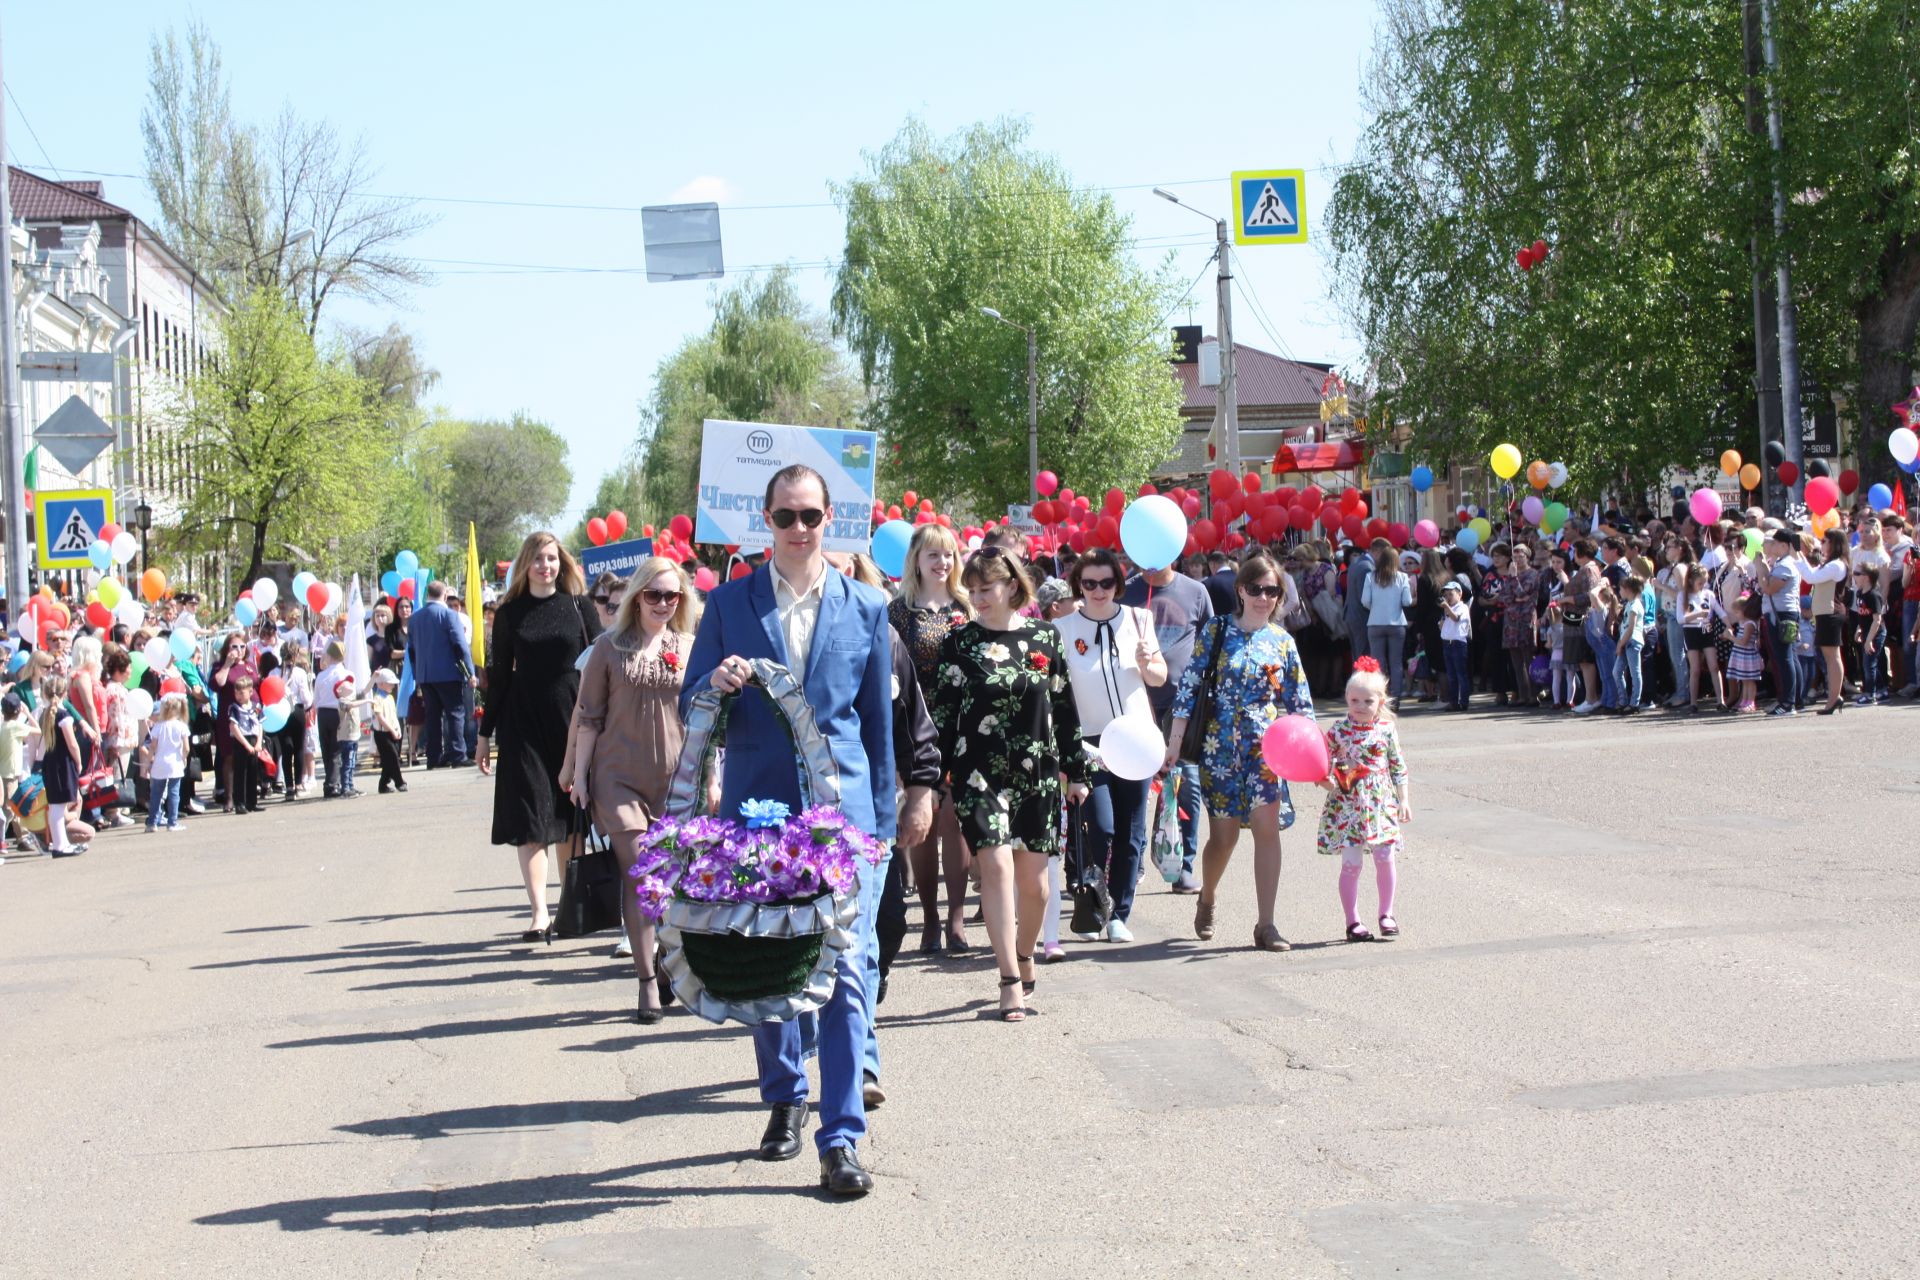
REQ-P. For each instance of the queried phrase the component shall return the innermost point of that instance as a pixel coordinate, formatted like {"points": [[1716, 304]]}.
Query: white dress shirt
{"points": [[799, 614]]}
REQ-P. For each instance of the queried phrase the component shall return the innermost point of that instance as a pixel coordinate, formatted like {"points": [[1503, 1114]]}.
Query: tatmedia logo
{"points": [[760, 441]]}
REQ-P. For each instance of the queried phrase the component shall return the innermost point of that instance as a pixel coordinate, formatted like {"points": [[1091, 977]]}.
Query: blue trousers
{"points": [[1116, 834], [1786, 663], [1188, 798], [1608, 694], [163, 802], [1627, 677], [841, 1034], [446, 725], [1459, 683]]}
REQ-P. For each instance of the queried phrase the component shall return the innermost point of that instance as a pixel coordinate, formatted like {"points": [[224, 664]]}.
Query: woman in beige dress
{"points": [[627, 732]]}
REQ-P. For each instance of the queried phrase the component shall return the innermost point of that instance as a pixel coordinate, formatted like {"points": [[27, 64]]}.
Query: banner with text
{"points": [[738, 458]]}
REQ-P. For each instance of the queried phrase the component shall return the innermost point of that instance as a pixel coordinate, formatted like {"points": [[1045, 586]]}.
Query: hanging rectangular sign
{"points": [[621, 558], [737, 459]]}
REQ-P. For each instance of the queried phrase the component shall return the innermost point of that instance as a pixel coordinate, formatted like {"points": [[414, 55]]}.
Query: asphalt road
{"points": [[1652, 1014]]}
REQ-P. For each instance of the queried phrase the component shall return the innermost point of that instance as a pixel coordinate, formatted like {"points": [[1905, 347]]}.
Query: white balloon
{"points": [[124, 547], [129, 613], [1131, 747], [139, 703], [158, 654], [336, 599], [1556, 474], [1905, 445], [265, 592]]}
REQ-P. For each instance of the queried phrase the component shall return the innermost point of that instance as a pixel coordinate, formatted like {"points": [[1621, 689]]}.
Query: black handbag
{"points": [[1092, 904], [590, 894], [1193, 740]]}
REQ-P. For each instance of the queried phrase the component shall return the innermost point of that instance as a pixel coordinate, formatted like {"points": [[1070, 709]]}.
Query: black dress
{"points": [[59, 771], [531, 687]]}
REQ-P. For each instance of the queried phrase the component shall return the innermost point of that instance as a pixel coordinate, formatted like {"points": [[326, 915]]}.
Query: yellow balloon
{"points": [[109, 592], [1480, 526], [1506, 460]]}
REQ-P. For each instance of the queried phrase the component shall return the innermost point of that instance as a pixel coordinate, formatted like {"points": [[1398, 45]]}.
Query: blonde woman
{"points": [[627, 732], [931, 603], [545, 623]]}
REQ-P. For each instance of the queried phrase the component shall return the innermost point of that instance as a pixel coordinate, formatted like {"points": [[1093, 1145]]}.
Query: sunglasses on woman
{"points": [[660, 597], [1096, 584], [785, 516], [605, 602], [1266, 591]]}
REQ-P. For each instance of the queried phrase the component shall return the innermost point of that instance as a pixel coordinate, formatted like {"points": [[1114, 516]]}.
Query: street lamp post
{"points": [[1033, 401], [1228, 417], [143, 520]]}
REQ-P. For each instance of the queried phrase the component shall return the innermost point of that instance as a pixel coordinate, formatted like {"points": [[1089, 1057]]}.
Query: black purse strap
{"points": [[1211, 679]]}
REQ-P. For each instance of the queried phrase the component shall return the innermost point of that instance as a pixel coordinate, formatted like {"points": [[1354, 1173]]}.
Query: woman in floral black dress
{"points": [[1010, 739], [931, 606]]}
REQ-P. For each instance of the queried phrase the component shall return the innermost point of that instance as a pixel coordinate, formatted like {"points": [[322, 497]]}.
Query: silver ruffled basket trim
{"points": [[828, 915]]}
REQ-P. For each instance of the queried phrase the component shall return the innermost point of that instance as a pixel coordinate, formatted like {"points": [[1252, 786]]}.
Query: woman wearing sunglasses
{"points": [[1256, 675], [605, 594], [627, 731], [1112, 655]]}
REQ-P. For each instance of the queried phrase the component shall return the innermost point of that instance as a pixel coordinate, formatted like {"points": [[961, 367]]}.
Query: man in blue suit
{"points": [[832, 634], [442, 668]]}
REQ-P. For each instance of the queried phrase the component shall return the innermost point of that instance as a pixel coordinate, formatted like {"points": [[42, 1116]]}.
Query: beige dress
{"points": [[633, 704]]}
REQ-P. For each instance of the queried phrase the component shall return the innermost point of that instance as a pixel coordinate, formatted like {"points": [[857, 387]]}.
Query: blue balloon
{"points": [[407, 563], [17, 661], [1467, 540], [1911, 468], [1153, 531], [1879, 497], [301, 581], [274, 718], [100, 555], [245, 613], [890, 547], [390, 582], [181, 644], [1421, 479]]}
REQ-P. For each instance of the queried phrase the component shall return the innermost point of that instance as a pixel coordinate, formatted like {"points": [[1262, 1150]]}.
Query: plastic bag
{"points": [[1166, 847]]}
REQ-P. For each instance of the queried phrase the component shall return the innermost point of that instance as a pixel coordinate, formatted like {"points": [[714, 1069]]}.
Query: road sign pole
{"points": [[1033, 416], [1229, 402], [13, 452]]}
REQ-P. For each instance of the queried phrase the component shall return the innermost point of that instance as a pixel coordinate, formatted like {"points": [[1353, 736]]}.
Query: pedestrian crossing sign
{"points": [[65, 524], [1270, 207]]}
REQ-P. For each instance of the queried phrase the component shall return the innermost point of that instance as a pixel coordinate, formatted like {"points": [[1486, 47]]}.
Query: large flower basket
{"points": [[753, 914]]}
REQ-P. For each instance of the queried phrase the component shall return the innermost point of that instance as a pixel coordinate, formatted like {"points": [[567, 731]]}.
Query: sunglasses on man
{"points": [[783, 517]]}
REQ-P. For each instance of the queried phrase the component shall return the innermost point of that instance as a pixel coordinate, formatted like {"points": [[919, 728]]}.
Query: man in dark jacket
{"points": [[443, 669]]}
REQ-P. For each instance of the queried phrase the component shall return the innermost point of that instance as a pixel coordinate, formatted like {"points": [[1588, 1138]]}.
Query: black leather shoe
{"points": [[781, 1141], [840, 1173]]}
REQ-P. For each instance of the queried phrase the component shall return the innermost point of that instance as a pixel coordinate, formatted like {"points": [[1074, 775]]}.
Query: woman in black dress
{"points": [[544, 624], [1010, 742]]}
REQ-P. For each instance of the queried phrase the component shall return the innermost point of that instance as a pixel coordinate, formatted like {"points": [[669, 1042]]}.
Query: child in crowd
{"points": [[347, 742], [17, 734], [1456, 629], [386, 729], [1367, 797], [1631, 644], [1867, 620], [244, 781], [60, 767], [164, 756], [1746, 665]]}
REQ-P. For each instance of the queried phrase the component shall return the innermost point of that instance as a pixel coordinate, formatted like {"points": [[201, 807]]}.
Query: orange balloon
{"points": [[1730, 462], [1750, 477], [1539, 474], [153, 585]]}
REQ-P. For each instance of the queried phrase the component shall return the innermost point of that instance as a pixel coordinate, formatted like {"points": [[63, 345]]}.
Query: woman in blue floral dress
{"points": [[1257, 679], [1010, 744]]}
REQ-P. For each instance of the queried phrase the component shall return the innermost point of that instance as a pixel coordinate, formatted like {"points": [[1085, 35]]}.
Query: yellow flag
{"points": [[475, 610]]}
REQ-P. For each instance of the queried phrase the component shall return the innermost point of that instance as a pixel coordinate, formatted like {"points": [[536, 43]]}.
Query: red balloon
{"points": [[597, 531], [893, 512], [1286, 495], [1273, 522], [1233, 542], [316, 601], [1397, 534], [272, 689], [1849, 481], [926, 504], [1788, 473], [1206, 534], [646, 530], [1107, 531], [1539, 252], [1082, 504], [1078, 540], [738, 571], [1116, 501], [1066, 496], [1354, 527], [99, 616], [1359, 508], [681, 527], [1300, 518], [407, 588], [1823, 495], [1377, 528], [1348, 498], [1147, 489], [1311, 498], [1227, 509], [1190, 507], [1525, 258], [909, 499], [1221, 482], [1250, 482], [1464, 515], [923, 517], [173, 684], [108, 532], [616, 525], [944, 520]]}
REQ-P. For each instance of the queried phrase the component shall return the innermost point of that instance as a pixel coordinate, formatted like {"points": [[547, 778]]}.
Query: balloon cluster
{"points": [[407, 580], [114, 546], [608, 528], [1532, 255]]}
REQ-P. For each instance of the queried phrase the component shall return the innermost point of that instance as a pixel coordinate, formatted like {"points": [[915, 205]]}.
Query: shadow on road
{"points": [[494, 1026], [545, 1115]]}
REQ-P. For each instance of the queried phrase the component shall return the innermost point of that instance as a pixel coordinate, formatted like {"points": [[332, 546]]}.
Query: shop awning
{"points": [[1339, 455]]}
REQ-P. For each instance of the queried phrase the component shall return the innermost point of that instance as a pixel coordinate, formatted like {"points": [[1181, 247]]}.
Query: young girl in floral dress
{"points": [[1367, 797]]}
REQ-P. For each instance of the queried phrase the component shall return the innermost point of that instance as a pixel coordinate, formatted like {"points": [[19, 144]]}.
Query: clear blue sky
{"points": [[754, 104]]}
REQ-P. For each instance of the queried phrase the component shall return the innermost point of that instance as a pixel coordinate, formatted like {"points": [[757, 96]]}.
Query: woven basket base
{"points": [[737, 968]]}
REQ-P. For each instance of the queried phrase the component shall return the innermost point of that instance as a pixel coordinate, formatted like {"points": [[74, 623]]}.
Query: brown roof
{"points": [[38, 199], [1263, 378]]}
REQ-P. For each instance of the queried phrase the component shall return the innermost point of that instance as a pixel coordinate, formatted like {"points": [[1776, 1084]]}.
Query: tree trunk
{"points": [[1887, 325], [257, 557]]}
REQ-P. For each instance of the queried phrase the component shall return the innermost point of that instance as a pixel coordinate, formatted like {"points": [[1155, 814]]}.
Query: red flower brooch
{"points": [[672, 658], [1080, 647], [957, 619], [1038, 660]]}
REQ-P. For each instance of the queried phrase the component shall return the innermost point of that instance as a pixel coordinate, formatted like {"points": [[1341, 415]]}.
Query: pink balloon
{"points": [[1704, 506], [1047, 483], [1427, 533], [1295, 750], [703, 578]]}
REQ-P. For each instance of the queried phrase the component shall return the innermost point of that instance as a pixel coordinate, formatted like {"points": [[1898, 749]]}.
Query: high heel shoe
{"points": [[1832, 708], [1015, 1014], [1027, 984], [642, 1014]]}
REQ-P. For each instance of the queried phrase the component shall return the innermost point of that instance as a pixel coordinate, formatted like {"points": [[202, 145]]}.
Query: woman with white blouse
{"points": [[1112, 654], [1828, 580]]}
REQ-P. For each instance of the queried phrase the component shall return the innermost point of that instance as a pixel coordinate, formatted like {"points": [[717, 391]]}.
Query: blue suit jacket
{"points": [[849, 684], [438, 645]]}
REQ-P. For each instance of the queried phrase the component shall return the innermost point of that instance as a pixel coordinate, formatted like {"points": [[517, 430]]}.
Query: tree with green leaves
{"points": [[280, 438], [507, 478], [939, 228], [1619, 134], [766, 357]]}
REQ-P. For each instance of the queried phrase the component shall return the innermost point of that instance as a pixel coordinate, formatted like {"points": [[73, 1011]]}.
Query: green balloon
{"points": [[1753, 542], [136, 669], [1554, 516]]}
